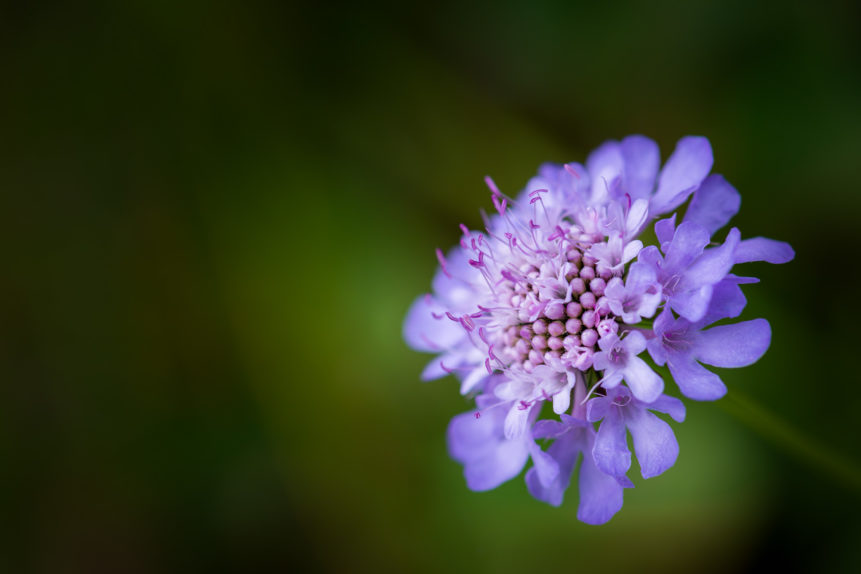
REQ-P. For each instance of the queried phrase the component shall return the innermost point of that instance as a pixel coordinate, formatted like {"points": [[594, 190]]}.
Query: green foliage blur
{"points": [[215, 216]]}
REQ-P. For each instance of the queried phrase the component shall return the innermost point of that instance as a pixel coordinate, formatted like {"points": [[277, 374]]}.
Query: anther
{"points": [[441, 259]]}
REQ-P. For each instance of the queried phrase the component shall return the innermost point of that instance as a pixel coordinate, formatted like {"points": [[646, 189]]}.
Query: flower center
{"points": [[554, 310]]}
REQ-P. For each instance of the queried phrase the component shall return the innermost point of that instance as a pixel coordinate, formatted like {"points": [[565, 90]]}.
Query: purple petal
{"points": [[597, 408], [562, 183], [575, 422], [469, 437], [605, 165], [605, 158], [546, 468], [672, 337], [657, 351], [727, 302], [434, 370], [763, 249], [516, 422], [562, 400], [635, 342], [714, 203], [450, 285], [692, 305], [501, 465], [601, 495], [735, 345], [488, 398], [610, 453], [642, 161], [713, 264], [601, 361], [631, 250], [688, 243], [694, 380], [646, 385], [684, 171], [669, 405], [637, 217], [611, 379], [640, 277], [424, 332], [547, 428], [565, 451], [665, 322], [488, 459], [664, 229], [654, 442], [473, 380], [649, 256]]}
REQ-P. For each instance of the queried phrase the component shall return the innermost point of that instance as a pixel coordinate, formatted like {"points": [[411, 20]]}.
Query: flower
{"points": [[555, 301], [619, 361], [600, 493], [654, 440]]}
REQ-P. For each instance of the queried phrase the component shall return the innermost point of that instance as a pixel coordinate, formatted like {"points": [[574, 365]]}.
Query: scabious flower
{"points": [[558, 301]]}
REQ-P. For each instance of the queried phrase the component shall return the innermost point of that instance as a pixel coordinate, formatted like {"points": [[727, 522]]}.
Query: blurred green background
{"points": [[215, 216]]}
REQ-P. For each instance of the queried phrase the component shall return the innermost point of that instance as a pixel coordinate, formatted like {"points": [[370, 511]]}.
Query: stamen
{"points": [[492, 185], [442, 262]]}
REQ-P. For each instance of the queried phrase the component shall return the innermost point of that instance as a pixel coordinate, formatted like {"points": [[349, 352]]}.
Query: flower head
{"points": [[557, 294]]}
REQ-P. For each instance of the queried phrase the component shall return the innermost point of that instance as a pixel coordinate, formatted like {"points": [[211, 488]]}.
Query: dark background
{"points": [[214, 216]]}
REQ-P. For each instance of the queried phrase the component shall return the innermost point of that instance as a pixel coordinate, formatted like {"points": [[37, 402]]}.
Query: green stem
{"points": [[791, 439]]}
